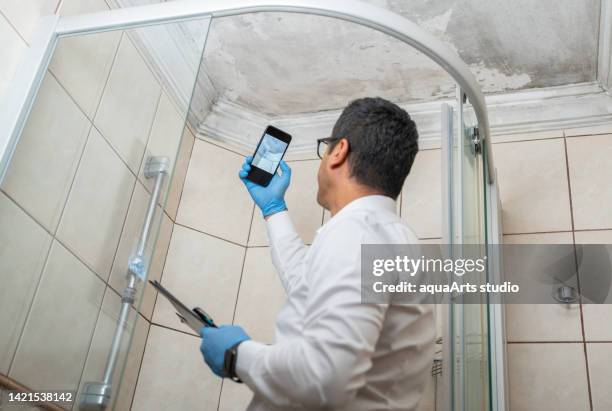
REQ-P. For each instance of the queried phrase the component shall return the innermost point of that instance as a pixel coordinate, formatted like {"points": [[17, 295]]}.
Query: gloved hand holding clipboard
{"points": [[195, 319]]}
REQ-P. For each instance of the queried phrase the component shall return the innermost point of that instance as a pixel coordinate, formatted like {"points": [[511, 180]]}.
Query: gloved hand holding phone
{"points": [[270, 199]]}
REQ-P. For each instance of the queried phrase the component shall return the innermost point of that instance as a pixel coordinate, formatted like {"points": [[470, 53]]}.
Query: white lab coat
{"points": [[331, 351]]}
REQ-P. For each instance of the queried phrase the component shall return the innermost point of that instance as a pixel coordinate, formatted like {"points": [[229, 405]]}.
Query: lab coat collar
{"points": [[370, 202]]}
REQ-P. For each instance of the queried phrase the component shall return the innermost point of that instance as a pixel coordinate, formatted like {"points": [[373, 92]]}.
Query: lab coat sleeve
{"points": [[287, 249], [327, 365]]}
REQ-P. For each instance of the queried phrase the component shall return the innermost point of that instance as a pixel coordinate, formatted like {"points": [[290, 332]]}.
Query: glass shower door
{"points": [[469, 314], [82, 204]]}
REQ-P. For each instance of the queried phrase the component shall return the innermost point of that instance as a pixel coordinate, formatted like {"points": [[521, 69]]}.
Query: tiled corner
{"points": [[54, 334], [47, 154], [180, 172], [165, 137], [101, 343], [25, 15], [214, 199], [12, 48], [600, 374], [533, 186], [234, 396], [421, 206], [590, 175], [97, 205], [259, 283], [547, 377], [82, 64], [23, 251], [202, 271], [538, 135], [173, 375], [301, 199], [542, 322], [128, 104], [596, 317]]}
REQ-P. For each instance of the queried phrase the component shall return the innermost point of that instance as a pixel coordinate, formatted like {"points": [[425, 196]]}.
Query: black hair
{"points": [[382, 143]]}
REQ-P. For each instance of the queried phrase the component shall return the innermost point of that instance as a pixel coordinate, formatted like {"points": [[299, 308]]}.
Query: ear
{"points": [[339, 154]]}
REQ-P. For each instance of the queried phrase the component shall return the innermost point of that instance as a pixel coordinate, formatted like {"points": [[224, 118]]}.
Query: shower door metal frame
{"points": [[24, 87]]}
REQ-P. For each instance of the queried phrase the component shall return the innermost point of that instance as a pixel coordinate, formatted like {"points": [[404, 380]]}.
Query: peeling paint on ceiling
{"points": [[283, 63]]}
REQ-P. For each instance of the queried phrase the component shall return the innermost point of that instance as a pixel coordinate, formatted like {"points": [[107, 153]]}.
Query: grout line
{"points": [[243, 264], [210, 235], [538, 232], [174, 329], [161, 276], [527, 140], [217, 145], [544, 342], [14, 28], [180, 196], [144, 349], [569, 191], [29, 311]]}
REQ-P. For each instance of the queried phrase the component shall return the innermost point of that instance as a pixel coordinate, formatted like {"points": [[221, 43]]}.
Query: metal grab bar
{"points": [[96, 395]]}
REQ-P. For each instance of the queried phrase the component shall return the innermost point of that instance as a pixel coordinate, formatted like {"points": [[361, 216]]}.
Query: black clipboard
{"points": [[195, 319]]}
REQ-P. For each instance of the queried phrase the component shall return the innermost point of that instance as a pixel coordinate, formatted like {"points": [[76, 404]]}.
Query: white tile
{"points": [[101, 343], [97, 205], [130, 237], [47, 154], [165, 137], [174, 376], [596, 317], [547, 377], [234, 396], [128, 104], [180, 172], [590, 175], [259, 283], [533, 186], [214, 199], [23, 250], [301, 199], [202, 271], [422, 195], [12, 49], [55, 341], [600, 375], [25, 15], [542, 322], [82, 63]]}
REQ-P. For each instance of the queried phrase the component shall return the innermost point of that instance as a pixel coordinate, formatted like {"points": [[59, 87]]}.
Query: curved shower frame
{"points": [[22, 93]]}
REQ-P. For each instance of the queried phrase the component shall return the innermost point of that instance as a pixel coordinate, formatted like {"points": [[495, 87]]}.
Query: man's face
{"points": [[323, 180]]}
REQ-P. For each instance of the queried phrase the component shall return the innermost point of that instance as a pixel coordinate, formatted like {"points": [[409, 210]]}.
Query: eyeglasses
{"points": [[323, 144]]}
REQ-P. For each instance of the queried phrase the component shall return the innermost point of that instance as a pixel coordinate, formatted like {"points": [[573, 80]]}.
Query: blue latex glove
{"points": [[214, 343], [270, 199]]}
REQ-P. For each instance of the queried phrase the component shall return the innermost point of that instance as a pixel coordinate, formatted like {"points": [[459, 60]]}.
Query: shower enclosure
{"points": [[98, 197]]}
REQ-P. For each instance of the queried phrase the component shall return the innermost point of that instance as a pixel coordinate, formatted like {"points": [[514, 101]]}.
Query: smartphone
{"points": [[268, 155]]}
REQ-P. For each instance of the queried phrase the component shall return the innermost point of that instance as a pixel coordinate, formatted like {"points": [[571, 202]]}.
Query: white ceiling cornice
{"points": [[523, 112]]}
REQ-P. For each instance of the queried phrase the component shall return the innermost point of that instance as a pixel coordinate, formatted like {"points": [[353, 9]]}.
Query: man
{"points": [[332, 351]]}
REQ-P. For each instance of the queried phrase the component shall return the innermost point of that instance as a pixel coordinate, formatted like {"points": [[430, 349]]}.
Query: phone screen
{"points": [[269, 153]]}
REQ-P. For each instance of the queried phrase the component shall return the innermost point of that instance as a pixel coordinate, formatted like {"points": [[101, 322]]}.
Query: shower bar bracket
{"points": [[96, 396]]}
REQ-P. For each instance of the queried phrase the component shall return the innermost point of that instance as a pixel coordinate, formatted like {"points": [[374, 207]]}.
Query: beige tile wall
{"points": [[555, 190], [219, 259], [73, 202]]}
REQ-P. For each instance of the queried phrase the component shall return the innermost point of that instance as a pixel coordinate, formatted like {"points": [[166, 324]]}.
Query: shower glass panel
{"points": [[470, 314], [74, 200]]}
